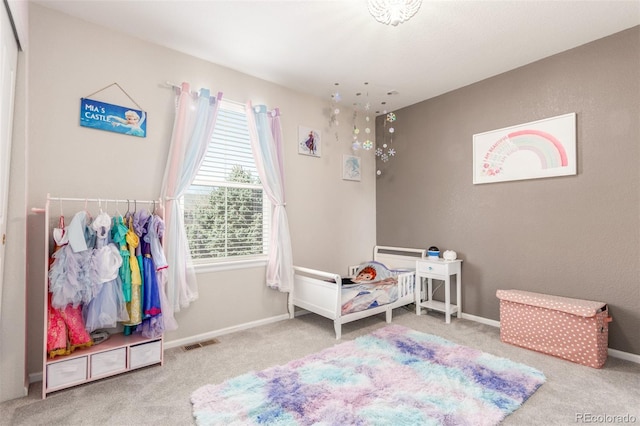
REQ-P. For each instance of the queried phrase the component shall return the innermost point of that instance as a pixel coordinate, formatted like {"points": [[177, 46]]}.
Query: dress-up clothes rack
{"points": [[119, 353]]}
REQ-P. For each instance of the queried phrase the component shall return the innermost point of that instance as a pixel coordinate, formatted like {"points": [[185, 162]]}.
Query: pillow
{"points": [[370, 272]]}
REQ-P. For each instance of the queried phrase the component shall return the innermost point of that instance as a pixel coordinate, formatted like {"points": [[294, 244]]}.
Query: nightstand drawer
{"points": [[433, 267]]}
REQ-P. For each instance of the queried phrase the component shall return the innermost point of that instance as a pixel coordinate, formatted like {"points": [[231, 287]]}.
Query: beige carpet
{"points": [[160, 395]]}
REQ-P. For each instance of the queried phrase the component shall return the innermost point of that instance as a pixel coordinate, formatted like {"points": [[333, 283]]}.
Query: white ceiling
{"points": [[310, 45]]}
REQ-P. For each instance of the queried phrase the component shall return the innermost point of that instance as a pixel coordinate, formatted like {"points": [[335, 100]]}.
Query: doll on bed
{"points": [[367, 274], [371, 272], [373, 285]]}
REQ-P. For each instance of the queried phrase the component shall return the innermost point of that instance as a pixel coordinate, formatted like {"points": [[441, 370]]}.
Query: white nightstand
{"points": [[439, 269]]}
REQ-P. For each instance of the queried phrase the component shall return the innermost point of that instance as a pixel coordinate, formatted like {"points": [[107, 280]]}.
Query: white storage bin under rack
{"points": [[116, 355]]}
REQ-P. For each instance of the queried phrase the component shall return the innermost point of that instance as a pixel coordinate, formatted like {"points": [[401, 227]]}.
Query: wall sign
{"points": [[112, 118]]}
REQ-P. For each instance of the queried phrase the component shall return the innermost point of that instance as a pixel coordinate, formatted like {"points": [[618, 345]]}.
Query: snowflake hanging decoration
{"points": [[335, 112], [383, 148], [333, 118], [386, 150]]}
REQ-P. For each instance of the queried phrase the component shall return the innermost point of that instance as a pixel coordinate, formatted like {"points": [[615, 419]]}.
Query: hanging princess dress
{"points": [[119, 237], [65, 327], [152, 324], [71, 278], [56, 328], [134, 307], [108, 306], [154, 237]]}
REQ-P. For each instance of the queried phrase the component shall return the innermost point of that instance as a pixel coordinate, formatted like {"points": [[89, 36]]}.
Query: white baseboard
{"points": [[34, 377], [37, 377], [481, 320], [624, 355], [611, 352], [211, 334]]}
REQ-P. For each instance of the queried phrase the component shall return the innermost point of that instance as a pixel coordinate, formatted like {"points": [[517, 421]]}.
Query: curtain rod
{"points": [[226, 100], [178, 87]]}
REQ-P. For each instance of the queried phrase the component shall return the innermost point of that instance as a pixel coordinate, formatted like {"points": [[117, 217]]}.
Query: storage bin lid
{"points": [[583, 308]]}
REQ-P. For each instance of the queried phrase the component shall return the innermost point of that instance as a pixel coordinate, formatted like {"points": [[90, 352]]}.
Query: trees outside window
{"points": [[225, 209]]}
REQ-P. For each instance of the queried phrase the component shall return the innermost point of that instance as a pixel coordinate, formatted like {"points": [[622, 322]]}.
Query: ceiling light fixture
{"points": [[393, 11]]}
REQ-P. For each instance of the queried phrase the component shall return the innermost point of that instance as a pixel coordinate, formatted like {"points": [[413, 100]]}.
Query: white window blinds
{"points": [[225, 209]]}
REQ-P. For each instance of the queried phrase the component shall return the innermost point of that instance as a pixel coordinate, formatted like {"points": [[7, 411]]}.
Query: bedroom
{"points": [[600, 225]]}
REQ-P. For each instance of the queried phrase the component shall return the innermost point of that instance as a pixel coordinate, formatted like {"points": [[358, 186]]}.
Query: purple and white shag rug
{"points": [[393, 376]]}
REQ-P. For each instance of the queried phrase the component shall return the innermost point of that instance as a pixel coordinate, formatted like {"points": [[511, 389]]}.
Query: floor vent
{"points": [[210, 342], [202, 344]]}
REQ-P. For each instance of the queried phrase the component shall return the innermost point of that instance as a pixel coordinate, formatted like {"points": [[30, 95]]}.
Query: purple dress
{"points": [[152, 323], [151, 300]]}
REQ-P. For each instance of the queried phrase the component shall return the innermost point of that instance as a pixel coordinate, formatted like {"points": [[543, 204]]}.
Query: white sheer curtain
{"points": [[192, 129], [266, 142]]}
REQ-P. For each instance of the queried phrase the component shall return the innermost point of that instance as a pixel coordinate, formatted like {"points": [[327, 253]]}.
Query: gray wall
{"points": [[575, 236]]}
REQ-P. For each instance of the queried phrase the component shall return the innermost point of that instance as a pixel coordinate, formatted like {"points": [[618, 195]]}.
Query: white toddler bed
{"points": [[320, 292]]}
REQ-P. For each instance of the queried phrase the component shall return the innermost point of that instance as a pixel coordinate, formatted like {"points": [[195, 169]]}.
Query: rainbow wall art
{"points": [[538, 149]]}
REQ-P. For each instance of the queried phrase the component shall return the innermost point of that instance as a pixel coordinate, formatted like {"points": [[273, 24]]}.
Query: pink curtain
{"points": [[266, 142], [192, 129]]}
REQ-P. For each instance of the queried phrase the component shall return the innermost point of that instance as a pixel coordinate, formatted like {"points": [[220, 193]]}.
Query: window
{"points": [[226, 211]]}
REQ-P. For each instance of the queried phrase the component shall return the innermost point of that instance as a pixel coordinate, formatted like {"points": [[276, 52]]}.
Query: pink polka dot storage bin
{"points": [[573, 329]]}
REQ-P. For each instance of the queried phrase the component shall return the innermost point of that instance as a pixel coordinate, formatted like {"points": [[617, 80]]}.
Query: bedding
{"points": [[373, 285]]}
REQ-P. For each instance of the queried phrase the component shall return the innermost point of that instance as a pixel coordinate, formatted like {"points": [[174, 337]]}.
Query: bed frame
{"points": [[316, 291]]}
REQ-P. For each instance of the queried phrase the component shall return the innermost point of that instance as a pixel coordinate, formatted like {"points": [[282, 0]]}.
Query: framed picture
{"points": [[539, 149], [351, 167], [309, 141]]}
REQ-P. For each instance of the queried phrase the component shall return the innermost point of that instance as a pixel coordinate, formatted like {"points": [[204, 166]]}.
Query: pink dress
{"points": [[65, 327]]}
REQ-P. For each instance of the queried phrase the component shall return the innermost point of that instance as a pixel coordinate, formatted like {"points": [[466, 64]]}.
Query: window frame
{"points": [[213, 264]]}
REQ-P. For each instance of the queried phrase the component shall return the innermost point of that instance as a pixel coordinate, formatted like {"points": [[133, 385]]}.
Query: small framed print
{"points": [[351, 168], [309, 141]]}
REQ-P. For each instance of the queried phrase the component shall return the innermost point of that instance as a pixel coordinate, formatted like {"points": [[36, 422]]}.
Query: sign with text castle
{"points": [[112, 118]]}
